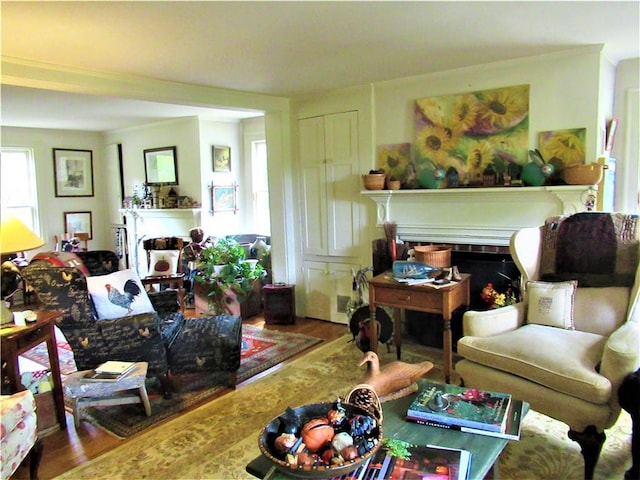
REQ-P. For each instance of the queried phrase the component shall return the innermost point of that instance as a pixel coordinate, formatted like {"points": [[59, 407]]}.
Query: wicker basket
{"points": [[589, 174], [374, 181], [434, 255]]}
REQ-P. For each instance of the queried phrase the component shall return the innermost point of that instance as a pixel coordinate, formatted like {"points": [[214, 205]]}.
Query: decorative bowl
{"points": [[589, 174], [374, 181], [370, 441]]}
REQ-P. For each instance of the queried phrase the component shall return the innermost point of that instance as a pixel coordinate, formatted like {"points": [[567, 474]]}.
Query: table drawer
{"points": [[404, 298]]}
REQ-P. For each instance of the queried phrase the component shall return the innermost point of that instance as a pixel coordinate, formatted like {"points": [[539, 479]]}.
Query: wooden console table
{"points": [[384, 290], [18, 339]]}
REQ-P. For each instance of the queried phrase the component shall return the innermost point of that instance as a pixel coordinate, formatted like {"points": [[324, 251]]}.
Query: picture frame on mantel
{"points": [[221, 158], [73, 172], [78, 222]]}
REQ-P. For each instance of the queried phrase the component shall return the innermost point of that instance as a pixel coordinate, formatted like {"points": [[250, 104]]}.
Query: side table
{"points": [[279, 303], [129, 389], [18, 339], [384, 290]]}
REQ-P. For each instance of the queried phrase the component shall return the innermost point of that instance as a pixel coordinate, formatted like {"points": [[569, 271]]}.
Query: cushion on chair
{"points": [[163, 262], [600, 310], [118, 294], [564, 360], [18, 429], [551, 303]]}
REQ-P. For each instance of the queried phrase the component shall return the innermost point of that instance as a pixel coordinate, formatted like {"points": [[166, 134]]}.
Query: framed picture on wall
{"points": [[221, 158], [73, 172], [78, 222], [161, 166], [223, 198]]}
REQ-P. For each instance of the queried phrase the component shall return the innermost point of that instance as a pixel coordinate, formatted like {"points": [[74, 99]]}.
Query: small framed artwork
{"points": [[223, 198], [221, 159], [161, 166], [73, 172], [78, 222]]}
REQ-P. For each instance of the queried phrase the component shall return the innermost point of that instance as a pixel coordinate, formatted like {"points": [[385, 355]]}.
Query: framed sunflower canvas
{"points": [[395, 159], [563, 148], [472, 131]]}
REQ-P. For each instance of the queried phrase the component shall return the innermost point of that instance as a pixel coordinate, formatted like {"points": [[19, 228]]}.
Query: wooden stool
{"points": [[129, 389]]}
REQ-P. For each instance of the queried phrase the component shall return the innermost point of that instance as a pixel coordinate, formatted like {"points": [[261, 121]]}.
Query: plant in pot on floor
{"points": [[224, 278]]}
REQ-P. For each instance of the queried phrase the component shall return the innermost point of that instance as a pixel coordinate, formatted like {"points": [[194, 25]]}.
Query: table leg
{"points": [[373, 324], [397, 333], [54, 362], [447, 347]]}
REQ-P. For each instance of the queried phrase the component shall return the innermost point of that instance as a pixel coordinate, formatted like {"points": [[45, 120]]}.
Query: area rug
{"points": [[219, 438]]}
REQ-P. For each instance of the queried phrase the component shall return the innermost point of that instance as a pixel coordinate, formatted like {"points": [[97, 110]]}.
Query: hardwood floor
{"points": [[65, 449]]}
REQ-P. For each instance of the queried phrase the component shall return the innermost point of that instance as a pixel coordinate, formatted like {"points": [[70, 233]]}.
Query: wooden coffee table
{"points": [[485, 450]]}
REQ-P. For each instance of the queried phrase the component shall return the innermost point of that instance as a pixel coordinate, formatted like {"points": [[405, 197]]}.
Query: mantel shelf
{"points": [[475, 215]]}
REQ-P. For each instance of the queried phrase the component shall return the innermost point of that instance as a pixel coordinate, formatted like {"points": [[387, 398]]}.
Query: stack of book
{"points": [[467, 409], [111, 371]]}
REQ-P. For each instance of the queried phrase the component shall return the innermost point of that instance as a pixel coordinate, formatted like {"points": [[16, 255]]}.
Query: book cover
{"points": [[399, 460], [513, 425], [115, 367], [464, 407]]}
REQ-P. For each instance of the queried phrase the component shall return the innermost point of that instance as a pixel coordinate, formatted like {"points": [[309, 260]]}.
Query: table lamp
{"points": [[15, 237]]}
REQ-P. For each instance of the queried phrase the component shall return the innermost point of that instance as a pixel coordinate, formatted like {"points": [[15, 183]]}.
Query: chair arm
{"points": [[621, 356], [493, 322]]}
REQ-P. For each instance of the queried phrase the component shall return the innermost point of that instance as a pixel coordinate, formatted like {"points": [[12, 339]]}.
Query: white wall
{"points": [[51, 209], [221, 134], [626, 148]]}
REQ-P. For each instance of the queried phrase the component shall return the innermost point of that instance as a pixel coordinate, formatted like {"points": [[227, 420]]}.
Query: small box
{"points": [[279, 303]]}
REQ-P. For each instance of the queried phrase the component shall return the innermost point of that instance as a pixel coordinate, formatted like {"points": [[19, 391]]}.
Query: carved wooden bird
{"points": [[395, 379]]}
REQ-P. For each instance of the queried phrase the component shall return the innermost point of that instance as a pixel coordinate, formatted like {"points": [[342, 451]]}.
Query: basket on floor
{"points": [[434, 255]]}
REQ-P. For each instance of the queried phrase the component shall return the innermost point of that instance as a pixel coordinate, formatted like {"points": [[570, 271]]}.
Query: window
{"points": [[260, 187], [18, 188]]}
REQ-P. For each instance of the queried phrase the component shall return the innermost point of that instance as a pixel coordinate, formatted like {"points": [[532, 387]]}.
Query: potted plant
{"points": [[224, 277]]}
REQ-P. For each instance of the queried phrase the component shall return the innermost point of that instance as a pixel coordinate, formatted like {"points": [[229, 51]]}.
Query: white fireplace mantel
{"points": [[145, 223], [476, 216]]}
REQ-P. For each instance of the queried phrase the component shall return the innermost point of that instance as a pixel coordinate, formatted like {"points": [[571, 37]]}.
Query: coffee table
{"points": [[484, 449]]}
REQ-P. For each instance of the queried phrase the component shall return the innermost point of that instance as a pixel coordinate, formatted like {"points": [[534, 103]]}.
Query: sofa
{"points": [[161, 336]]}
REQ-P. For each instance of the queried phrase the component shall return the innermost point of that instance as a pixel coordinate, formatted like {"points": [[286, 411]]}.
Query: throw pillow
{"points": [[551, 303], [163, 262], [118, 294]]}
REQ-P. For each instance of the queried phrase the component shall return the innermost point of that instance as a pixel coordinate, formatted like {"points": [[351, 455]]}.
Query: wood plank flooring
{"points": [[65, 449]]}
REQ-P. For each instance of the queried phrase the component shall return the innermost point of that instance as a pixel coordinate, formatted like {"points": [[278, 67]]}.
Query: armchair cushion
{"points": [[118, 294], [18, 429], [563, 360], [551, 303], [600, 310]]}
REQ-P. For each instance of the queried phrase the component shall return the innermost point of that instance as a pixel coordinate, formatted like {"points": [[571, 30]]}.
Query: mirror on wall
{"points": [[161, 166]]}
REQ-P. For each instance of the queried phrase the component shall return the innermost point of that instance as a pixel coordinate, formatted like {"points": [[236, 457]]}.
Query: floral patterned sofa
{"points": [[163, 338]]}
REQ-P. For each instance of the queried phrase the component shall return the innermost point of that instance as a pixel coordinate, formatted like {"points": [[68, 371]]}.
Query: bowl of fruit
{"points": [[321, 440]]}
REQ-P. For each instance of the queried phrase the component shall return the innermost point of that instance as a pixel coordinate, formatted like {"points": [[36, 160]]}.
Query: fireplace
{"points": [[478, 224]]}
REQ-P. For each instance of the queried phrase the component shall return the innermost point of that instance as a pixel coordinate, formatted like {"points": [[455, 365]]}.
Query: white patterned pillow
{"points": [[118, 294], [551, 303], [163, 262]]}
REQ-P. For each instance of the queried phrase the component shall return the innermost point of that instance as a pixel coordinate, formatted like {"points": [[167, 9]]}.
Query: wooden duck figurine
{"points": [[394, 380]]}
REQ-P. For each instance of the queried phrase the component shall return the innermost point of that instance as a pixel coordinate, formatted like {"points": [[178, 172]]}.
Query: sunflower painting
{"points": [[563, 147], [469, 132], [394, 160]]}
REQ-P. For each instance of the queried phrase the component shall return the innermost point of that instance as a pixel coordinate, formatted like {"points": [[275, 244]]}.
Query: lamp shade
{"points": [[15, 236]]}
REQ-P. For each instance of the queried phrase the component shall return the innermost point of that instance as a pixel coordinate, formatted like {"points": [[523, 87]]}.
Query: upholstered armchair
{"points": [[19, 434], [208, 344], [563, 349]]}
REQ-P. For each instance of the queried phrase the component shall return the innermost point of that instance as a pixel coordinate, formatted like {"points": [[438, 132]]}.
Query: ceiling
{"points": [[285, 49]]}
